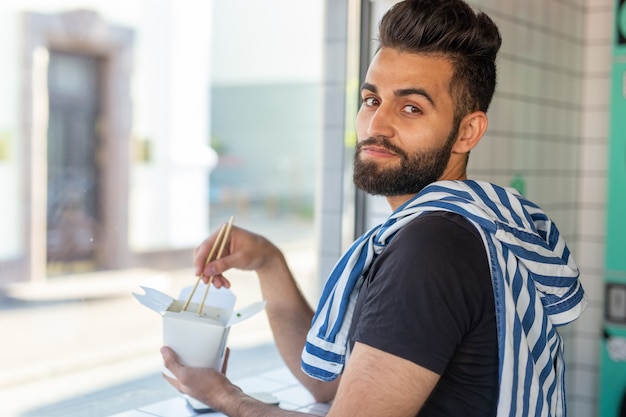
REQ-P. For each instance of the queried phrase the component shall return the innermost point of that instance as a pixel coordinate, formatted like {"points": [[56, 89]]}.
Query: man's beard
{"points": [[413, 173]]}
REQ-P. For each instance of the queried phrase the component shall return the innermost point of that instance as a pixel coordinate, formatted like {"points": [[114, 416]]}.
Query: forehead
{"points": [[392, 69]]}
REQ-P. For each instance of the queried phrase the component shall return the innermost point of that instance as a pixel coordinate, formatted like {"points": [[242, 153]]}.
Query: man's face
{"points": [[405, 126]]}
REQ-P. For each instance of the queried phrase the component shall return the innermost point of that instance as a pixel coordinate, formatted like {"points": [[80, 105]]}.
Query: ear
{"points": [[471, 130]]}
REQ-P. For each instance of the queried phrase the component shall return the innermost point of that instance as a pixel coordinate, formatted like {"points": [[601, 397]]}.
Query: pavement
{"points": [[82, 345]]}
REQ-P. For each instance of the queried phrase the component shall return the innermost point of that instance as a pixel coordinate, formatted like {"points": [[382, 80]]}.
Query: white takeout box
{"points": [[199, 339]]}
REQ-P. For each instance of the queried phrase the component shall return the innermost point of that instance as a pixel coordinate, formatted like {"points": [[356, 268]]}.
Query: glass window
{"points": [[129, 132]]}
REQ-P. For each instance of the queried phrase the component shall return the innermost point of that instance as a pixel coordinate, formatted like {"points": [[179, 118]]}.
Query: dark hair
{"points": [[452, 29]]}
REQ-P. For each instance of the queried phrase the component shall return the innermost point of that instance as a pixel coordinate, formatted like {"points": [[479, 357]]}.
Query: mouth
{"points": [[377, 151]]}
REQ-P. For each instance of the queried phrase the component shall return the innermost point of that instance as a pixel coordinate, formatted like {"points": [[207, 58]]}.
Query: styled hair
{"points": [[449, 28]]}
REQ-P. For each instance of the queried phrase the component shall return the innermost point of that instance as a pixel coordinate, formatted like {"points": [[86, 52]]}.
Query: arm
{"points": [[373, 380], [288, 312], [212, 387], [376, 383]]}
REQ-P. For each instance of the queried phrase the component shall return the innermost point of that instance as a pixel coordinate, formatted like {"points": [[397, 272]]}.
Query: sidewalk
{"points": [[96, 354]]}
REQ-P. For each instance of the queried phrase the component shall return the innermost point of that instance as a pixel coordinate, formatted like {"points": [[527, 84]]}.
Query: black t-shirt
{"points": [[428, 298]]}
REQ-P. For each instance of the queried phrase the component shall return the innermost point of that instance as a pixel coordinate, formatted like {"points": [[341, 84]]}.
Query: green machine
{"points": [[613, 345]]}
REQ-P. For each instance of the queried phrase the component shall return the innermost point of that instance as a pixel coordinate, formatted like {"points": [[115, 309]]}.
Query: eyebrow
{"points": [[403, 92]]}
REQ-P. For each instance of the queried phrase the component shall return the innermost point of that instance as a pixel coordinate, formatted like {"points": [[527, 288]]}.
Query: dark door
{"points": [[73, 174]]}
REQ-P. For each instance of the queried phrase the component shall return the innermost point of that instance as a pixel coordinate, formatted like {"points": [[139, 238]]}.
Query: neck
{"points": [[398, 200]]}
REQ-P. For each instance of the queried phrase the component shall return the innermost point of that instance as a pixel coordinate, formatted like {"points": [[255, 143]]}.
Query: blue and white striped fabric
{"points": [[535, 282]]}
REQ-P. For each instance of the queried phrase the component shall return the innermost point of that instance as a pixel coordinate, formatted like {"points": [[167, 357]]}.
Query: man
{"points": [[450, 307]]}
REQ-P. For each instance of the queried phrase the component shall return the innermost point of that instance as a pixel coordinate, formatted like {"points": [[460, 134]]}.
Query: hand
{"points": [[244, 250], [204, 384]]}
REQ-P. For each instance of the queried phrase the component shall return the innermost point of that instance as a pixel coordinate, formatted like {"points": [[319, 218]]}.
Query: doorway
{"points": [[73, 191], [77, 123]]}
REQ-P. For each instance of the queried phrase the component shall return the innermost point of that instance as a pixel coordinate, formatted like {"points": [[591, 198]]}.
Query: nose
{"points": [[376, 122]]}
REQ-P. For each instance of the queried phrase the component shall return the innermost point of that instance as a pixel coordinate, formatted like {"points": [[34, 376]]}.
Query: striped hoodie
{"points": [[535, 284]]}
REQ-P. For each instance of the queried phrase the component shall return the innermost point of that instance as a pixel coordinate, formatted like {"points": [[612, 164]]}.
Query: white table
{"points": [[280, 383]]}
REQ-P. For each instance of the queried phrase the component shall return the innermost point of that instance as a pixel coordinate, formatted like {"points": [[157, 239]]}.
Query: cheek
{"points": [[423, 137], [362, 123]]}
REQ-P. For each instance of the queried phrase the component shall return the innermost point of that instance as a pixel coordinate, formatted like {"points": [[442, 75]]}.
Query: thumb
{"points": [[170, 359]]}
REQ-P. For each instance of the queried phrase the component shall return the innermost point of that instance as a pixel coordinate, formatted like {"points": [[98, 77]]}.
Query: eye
{"points": [[409, 108], [370, 102]]}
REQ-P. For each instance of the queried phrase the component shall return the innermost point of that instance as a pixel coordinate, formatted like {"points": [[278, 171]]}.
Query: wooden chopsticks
{"points": [[220, 241]]}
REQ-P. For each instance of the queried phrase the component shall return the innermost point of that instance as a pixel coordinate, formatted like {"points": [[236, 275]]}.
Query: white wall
{"points": [[169, 206], [11, 212], [171, 73], [255, 47]]}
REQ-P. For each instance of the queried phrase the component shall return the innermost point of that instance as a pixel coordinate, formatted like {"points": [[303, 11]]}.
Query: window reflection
{"points": [[73, 173], [127, 137], [266, 114]]}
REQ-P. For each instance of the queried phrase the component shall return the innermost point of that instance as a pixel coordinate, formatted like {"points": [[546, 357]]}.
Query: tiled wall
{"points": [[549, 126], [535, 115], [591, 205]]}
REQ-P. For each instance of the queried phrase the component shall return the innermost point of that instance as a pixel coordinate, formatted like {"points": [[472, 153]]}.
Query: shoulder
{"points": [[437, 235], [438, 222], [435, 275], [437, 255]]}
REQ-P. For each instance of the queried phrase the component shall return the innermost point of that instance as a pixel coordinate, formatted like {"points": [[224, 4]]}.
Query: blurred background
{"points": [[129, 130]]}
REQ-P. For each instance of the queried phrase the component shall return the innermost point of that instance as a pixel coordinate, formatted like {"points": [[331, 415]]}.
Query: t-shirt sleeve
{"points": [[424, 292]]}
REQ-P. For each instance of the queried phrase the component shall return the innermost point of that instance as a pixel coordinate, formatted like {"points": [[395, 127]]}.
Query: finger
{"points": [[202, 252], [221, 281], [200, 255], [175, 383], [170, 359], [219, 266]]}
